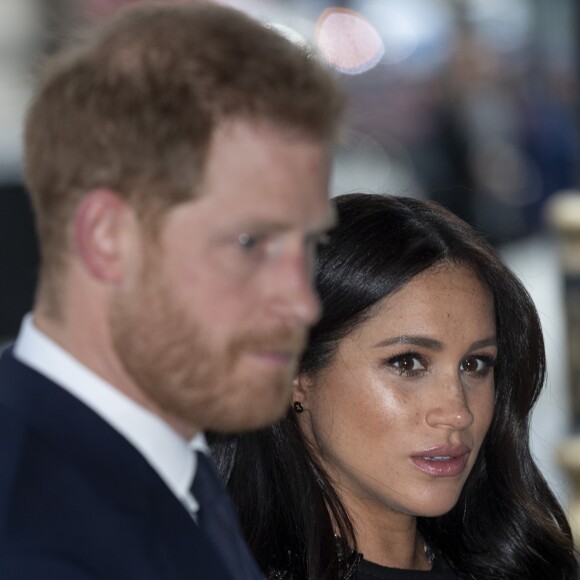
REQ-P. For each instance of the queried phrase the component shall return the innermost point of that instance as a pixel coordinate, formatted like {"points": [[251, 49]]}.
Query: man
{"points": [[178, 162]]}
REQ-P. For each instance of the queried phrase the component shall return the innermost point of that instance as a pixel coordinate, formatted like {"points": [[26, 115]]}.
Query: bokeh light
{"points": [[348, 41], [418, 28]]}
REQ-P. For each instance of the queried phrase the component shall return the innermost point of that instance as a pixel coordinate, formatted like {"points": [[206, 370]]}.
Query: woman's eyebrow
{"points": [[491, 341], [416, 340], [431, 343]]}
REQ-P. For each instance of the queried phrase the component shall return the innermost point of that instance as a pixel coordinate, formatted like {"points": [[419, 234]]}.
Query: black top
{"points": [[370, 571]]}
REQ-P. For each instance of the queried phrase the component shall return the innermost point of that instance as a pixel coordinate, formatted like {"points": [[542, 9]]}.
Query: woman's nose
{"points": [[450, 407]]}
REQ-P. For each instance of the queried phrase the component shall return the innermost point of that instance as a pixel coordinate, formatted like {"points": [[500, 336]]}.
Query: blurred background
{"points": [[473, 103]]}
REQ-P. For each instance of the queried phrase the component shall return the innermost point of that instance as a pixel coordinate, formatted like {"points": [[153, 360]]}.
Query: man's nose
{"points": [[295, 297]]}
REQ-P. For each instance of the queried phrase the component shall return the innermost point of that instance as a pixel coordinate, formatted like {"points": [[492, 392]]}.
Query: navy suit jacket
{"points": [[78, 502]]}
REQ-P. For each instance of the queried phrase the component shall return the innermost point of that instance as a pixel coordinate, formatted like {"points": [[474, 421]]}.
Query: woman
{"points": [[406, 451]]}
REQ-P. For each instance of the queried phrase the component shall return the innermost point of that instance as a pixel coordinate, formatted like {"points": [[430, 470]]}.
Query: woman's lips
{"points": [[442, 461]]}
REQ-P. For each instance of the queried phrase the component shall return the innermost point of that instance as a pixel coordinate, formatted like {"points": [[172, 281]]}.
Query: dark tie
{"points": [[218, 520]]}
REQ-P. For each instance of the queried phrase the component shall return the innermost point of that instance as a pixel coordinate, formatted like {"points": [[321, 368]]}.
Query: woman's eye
{"points": [[477, 365], [408, 364]]}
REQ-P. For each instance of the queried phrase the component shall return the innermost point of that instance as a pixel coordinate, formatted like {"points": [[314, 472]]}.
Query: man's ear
{"points": [[100, 227]]}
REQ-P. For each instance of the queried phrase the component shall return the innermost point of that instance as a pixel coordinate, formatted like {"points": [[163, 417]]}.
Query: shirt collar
{"points": [[165, 450]]}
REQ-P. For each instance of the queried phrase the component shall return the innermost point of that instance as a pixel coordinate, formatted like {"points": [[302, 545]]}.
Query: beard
{"points": [[187, 379]]}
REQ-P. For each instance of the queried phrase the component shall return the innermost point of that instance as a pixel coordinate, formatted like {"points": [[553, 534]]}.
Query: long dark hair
{"points": [[507, 523]]}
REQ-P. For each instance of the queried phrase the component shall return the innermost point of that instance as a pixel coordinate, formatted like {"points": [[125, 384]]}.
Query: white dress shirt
{"points": [[171, 456]]}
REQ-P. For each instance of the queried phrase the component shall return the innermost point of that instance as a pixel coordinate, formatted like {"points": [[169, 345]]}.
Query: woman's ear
{"points": [[302, 385]]}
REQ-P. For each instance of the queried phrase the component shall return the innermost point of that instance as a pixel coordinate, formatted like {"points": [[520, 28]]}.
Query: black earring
{"points": [[298, 406]]}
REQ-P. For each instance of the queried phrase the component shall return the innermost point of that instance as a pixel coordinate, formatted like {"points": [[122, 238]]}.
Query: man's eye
{"points": [[247, 242]]}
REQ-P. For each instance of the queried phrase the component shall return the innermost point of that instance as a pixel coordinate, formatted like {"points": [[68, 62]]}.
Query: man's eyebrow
{"points": [[262, 226], [267, 226]]}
